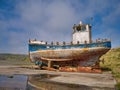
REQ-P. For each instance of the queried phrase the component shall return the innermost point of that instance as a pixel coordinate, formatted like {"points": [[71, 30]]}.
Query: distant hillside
{"points": [[14, 59]]}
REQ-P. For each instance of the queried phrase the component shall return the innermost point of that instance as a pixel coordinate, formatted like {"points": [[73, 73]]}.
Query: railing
{"points": [[68, 43]]}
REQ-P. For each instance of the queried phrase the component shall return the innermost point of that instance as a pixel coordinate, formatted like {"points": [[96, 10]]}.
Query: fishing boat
{"points": [[82, 51]]}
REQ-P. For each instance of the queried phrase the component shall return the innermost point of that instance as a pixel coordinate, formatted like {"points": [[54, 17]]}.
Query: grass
{"points": [[112, 62], [118, 86], [14, 59]]}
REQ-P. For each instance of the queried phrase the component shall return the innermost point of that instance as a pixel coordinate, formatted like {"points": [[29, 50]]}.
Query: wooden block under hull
{"points": [[80, 69]]}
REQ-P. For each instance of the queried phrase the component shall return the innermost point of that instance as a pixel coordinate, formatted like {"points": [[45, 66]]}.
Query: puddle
{"points": [[33, 82], [13, 82], [42, 82]]}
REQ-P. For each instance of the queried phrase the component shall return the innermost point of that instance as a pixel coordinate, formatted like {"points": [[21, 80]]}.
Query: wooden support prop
{"points": [[49, 64]]}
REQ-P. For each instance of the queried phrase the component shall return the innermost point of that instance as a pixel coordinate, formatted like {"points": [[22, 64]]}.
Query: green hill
{"points": [[14, 59], [12, 56], [112, 62]]}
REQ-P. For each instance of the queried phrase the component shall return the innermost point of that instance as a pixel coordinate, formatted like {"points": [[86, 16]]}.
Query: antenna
{"points": [[91, 19]]}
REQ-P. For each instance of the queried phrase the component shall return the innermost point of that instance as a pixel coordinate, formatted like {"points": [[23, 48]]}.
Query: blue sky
{"points": [[52, 20]]}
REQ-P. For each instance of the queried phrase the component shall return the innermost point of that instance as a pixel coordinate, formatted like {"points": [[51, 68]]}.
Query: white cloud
{"points": [[44, 18], [52, 21]]}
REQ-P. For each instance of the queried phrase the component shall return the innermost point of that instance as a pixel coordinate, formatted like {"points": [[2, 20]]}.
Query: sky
{"points": [[52, 20]]}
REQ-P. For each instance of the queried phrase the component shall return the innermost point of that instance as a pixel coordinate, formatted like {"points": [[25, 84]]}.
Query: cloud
{"points": [[52, 20], [44, 18], [41, 20]]}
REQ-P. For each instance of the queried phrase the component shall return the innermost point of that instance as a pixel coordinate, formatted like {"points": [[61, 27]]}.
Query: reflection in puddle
{"points": [[42, 82], [33, 82], [13, 82]]}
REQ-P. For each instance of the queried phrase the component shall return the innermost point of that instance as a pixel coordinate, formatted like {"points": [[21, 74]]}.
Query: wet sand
{"points": [[94, 81]]}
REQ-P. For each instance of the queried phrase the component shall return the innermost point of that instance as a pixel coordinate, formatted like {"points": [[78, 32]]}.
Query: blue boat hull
{"points": [[69, 55]]}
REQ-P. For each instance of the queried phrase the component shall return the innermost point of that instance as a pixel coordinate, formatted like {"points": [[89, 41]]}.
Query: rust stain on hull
{"points": [[79, 60]]}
